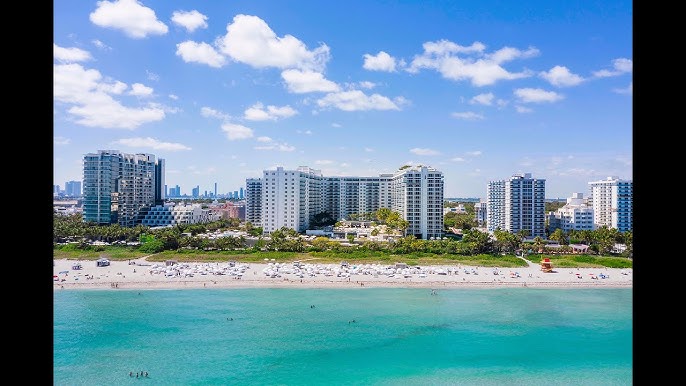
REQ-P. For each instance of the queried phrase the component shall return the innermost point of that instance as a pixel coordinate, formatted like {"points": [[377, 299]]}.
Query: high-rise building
{"points": [[516, 204], [575, 215], [240, 194], [195, 192], [119, 188], [253, 201], [72, 188], [612, 202], [291, 198]]}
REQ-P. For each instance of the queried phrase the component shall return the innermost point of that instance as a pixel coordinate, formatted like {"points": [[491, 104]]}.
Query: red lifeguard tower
{"points": [[546, 265]]}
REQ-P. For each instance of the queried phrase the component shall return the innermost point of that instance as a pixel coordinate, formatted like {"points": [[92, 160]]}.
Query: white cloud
{"points": [[301, 82], [191, 20], [536, 95], [629, 90], [70, 55], [457, 159], [523, 110], [366, 84], [356, 100], [323, 162], [278, 147], [424, 151], [264, 139], [483, 99], [336, 125], [472, 64], [257, 112], [92, 103], [203, 53], [209, 112], [152, 76], [249, 40], [174, 97], [139, 89], [101, 45], [560, 76], [151, 143], [620, 66], [306, 132], [381, 62], [130, 16], [234, 131], [368, 149], [468, 115], [60, 141], [474, 153]]}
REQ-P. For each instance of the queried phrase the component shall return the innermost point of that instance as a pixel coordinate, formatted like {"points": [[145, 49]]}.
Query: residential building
{"points": [[575, 215], [118, 188], [170, 214], [612, 202], [253, 201], [291, 198], [517, 204], [480, 211]]}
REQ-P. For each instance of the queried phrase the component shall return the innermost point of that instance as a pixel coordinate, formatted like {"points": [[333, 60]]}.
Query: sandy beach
{"points": [[141, 274]]}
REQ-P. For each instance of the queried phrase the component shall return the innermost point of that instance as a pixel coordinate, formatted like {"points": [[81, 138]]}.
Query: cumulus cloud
{"points": [[249, 40], [474, 153], [523, 110], [258, 112], [619, 66], [209, 112], [130, 16], [483, 99], [203, 53], [468, 115], [141, 90], [424, 151], [264, 139], [381, 62], [301, 82], [70, 55], [366, 84], [92, 101], [560, 76], [356, 100], [174, 97], [323, 162], [234, 131], [536, 95], [470, 63], [190, 20], [151, 143]]}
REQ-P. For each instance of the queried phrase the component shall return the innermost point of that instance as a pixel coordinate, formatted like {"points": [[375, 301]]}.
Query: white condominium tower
{"points": [[119, 188], [291, 198], [612, 202], [575, 215], [516, 204]]}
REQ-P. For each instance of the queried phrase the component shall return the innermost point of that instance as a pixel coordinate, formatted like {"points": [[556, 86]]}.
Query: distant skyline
{"points": [[224, 90]]}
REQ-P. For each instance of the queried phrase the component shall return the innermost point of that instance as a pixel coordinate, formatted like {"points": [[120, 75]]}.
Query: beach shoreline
{"points": [[139, 274]]}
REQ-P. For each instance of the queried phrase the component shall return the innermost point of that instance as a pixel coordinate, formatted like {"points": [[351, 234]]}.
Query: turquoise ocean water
{"points": [[499, 336]]}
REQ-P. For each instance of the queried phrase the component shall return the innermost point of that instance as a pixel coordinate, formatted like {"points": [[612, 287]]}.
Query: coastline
{"points": [[140, 274]]}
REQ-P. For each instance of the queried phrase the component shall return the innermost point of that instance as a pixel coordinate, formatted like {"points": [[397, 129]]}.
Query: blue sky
{"points": [[223, 90]]}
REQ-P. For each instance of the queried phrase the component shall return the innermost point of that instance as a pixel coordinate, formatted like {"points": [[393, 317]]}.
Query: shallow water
{"points": [[365, 336]]}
